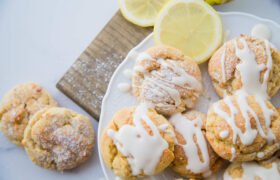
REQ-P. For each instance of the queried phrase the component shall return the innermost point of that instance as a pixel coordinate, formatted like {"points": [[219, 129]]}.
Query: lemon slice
{"points": [[192, 26], [141, 12]]}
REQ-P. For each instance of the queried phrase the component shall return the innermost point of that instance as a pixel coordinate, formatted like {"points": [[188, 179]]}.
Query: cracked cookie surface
{"points": [[19, 105], [58, 138]]}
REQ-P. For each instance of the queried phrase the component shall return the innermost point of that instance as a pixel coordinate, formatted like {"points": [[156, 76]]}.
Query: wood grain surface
{"points": [[87, 79]]}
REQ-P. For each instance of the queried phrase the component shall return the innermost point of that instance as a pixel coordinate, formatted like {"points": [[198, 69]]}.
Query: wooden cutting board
{"points": [[87, 79]]}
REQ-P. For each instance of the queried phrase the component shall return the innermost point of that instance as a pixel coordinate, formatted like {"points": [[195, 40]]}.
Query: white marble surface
{"points": [[39, 40]]}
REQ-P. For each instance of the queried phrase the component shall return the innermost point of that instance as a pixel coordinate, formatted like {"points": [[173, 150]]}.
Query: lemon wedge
{"points": [[141, 12], [192, 26]]}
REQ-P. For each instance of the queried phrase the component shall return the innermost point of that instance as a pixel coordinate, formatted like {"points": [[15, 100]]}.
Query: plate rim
{"points": [[229, 13]]}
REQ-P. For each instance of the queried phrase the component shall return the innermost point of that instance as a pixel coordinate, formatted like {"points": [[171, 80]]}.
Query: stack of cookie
{"points": [[53, 137], [163, 131], [141, 141], [244, 126]]}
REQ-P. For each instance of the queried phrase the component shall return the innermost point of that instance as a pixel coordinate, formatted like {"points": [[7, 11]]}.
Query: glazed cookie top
{"points": [[269, 169], [246, 63], [19, 105], [137, 142], [164, 77], [58, 138], [243, 127], [194, 157]]}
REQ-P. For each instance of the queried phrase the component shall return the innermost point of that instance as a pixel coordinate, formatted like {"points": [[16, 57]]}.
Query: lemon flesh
{"points": [[141, 12], [192, 26]]}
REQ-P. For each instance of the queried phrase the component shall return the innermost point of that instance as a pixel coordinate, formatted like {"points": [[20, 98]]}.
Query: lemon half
{"points": [[141, 12], [192, 26]]}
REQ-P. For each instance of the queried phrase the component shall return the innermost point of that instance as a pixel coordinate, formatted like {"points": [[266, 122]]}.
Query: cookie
{"points": [[243, 127], [269, 169], [19, 105], [167, 79], [137, 142], [246, 62], [194, 157], [58, 138]]}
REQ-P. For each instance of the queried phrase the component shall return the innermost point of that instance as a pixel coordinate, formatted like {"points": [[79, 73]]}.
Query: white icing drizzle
{"points": [[224, 134], [261, 31], [267, 113], [182, 77], [143, 56], [233, 153], [124, 87], [129, 138], [268, 66], [248, 136], [128, 73], [260, 154], [140, 69], [249, 69], [167, 87], [223, 65], [164, 128], [251, 170], [188, 129]]}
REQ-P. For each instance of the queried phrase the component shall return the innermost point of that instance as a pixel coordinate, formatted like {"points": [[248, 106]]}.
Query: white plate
{"points": [[234, 22]]}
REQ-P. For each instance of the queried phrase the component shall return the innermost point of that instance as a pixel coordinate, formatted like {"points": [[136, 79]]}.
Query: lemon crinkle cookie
{"points": [[246, 63], [243, 127], [167, 79], [19, 105], [194, 157], [58, 138], [269, 169], [137, 142]]}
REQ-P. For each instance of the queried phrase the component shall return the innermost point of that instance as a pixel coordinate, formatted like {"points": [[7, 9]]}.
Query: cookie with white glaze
{"points": [[246, 62], [243, 127], [194, 157], [167, 79], [137, 142]]}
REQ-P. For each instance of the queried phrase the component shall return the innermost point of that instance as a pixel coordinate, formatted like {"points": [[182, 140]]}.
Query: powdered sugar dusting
{"points": [[96, 73], [59, 138]]}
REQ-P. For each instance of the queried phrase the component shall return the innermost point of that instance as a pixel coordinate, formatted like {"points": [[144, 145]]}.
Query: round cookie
{"points": [[269, 169], [243, 61], [58, 138], [137, 142], [194, 157], [167, 79], [19, 105], [243, 127]]}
